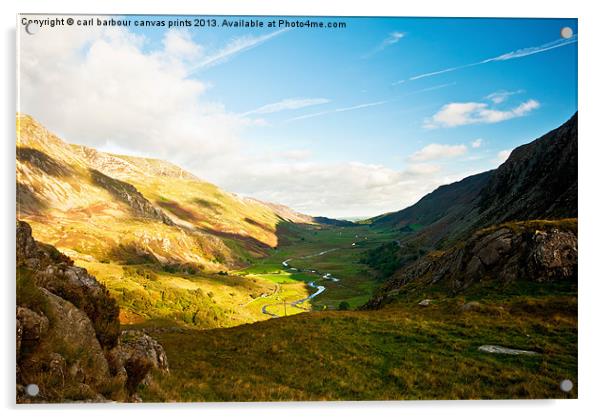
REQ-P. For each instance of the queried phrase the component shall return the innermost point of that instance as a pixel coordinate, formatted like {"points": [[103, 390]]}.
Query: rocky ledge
{"points": [[69, 342], [540, 251]]}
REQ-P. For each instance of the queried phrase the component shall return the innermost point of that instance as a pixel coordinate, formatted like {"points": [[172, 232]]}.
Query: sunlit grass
{"points": [[402, 352]]}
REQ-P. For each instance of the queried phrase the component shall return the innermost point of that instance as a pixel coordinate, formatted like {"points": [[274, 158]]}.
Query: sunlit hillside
{"points": [[149, 230]]}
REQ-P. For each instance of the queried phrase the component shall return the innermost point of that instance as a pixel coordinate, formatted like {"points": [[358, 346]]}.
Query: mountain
{"points": [[162, 241], [448, 205], [129, 209], [537, 181], [517, 222]]}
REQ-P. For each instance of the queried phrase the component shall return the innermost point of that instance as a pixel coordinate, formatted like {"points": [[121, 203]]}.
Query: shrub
{"points": [[344, 306]]}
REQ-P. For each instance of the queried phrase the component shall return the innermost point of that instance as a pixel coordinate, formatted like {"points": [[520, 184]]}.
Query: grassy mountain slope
{"points": [[159, 237], [400, 352]]}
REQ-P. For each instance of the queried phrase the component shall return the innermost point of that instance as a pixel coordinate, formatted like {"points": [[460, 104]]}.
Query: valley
{"points": [[242, 295]]}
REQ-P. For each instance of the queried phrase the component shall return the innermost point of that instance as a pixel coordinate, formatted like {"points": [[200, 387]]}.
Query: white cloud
{"points": [[477, 143], [502, 156], [525, 52], [101, 86], [296, 154], [338, 189], [287, 104], [423, 168], [179, 44], [457, 114], [520, 53], [502, 95], [438, 151]]}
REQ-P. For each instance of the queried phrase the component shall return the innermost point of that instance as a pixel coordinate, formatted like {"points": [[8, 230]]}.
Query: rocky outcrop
{"points": [[68, 338], [540, 251], [129, 195], [56, 273]]}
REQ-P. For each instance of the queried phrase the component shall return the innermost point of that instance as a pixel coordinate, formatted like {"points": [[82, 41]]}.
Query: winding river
{"points": [[319, 288]]}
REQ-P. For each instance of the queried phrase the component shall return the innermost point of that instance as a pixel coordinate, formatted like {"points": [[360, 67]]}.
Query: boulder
{"points": [[138, 354], [471, 306], [137, 343], [31, 326], [498, 349], [554, 255]]}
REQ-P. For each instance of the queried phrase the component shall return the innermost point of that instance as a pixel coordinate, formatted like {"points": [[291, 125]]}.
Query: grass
{"points": [[402, 352], [146, 294]]}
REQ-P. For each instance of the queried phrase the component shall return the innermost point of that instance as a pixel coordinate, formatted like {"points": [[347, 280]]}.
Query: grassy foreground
{"points": [[401, 352]]}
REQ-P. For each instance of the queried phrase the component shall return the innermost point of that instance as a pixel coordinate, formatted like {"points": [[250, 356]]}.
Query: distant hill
{"points": [[334, 222]]}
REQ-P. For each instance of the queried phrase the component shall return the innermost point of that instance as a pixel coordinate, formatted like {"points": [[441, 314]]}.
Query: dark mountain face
{"points": [[440, 214], [538, 181]]}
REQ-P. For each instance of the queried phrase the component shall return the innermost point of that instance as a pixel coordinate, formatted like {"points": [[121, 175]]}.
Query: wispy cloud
{"points": [[234, 47], [519, 53], [477, 143], [437, 87], [370, 104], [458, 114], [338, 110], [287, 104], [502, 95], [391, 39]]}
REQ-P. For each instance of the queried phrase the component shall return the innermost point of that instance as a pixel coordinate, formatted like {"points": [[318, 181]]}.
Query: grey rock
{"points": [[498, 349], [471, 306]]}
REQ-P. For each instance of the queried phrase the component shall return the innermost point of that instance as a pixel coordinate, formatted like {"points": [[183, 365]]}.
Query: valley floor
{"points": [[319, 258]]}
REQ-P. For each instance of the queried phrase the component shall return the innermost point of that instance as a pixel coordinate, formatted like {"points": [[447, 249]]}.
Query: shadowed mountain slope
{"points": [[537, 181]]}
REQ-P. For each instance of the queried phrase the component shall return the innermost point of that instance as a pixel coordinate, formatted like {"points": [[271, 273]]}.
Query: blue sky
{"points": [[339, 122]]}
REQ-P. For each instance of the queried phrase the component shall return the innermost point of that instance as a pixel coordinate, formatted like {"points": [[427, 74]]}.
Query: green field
{"points": [[341, 259]]}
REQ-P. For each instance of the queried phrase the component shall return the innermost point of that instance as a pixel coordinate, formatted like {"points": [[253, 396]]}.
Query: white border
{"points": [[590, 190]]}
